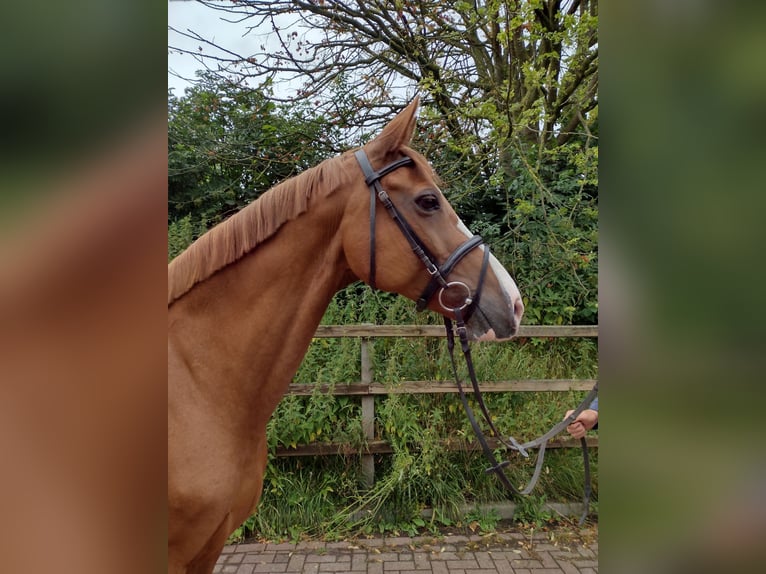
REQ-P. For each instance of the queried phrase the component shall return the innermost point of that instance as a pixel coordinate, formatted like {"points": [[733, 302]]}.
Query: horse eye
{"points": [[428, 202]]}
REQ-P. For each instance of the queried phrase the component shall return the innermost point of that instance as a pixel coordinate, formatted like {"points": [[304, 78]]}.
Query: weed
{"points": [[531, 511], [484, 520]]}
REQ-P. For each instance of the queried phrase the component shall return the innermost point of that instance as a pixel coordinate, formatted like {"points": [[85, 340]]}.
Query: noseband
{"points": [[439, 274], [462, 313]]}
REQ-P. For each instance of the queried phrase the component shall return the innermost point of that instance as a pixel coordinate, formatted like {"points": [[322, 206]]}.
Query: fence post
{"points": [[368, 414]]}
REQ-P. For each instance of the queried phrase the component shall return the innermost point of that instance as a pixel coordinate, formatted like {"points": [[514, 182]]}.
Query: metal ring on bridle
{"points": [[468, 300]]}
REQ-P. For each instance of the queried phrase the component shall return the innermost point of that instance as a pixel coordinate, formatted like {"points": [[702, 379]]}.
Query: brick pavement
{"points": [[510, 553]]}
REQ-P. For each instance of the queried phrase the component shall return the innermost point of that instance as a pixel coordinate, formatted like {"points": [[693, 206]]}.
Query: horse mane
{"points": [[230, 240]]}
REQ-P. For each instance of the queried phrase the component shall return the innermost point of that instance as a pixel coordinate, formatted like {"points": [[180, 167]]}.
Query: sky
{"points": [[187, 15]]}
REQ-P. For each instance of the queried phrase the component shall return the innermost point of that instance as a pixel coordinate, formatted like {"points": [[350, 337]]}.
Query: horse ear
{"points": [[398, 132]]}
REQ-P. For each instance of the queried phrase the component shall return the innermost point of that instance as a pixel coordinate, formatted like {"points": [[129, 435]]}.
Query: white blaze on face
{"points": [[503, 277]]}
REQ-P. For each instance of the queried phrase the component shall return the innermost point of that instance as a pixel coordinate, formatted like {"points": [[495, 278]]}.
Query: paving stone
{"points": [[338, 545], [422, 561], [296, 563], [389, 556], [526, 564], [399, 541], [445, 556], [359, 562], [516, 554], [462, 564], [568, 567], [547, 560], [280, 546], [484, 560], [320, 558], [398, 565], [270, 568], [333, 567], [250, 548], [455, 539], [502, 554], [256, 558], [311, 545], [503, 566]]}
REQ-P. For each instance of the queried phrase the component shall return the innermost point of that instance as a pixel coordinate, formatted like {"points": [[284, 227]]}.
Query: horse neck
{"points": [[243, 332]]}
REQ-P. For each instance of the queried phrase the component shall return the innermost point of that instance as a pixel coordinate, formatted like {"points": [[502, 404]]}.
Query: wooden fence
{"points": [[368, 389]]}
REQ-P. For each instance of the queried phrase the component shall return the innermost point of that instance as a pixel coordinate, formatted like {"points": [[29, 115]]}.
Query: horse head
{"points": [[403, 236]]}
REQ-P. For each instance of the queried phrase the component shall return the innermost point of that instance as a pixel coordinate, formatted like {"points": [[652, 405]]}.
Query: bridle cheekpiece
{"points": [[438, 273]]}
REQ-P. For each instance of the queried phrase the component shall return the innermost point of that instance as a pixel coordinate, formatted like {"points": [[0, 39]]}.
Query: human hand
{"points": [[585, 421]]}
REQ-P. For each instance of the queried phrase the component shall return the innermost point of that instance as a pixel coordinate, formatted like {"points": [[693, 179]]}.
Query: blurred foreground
{"points": [[83, 180]]}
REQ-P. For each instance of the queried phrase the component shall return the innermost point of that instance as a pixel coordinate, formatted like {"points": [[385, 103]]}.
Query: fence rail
{"points": [[383, 447], [370, 330], [368, 389], [439, 387]]}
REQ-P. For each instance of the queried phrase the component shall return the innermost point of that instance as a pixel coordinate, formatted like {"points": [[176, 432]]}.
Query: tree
{"points": [[510, 119], [526, 67], [227, 144]]}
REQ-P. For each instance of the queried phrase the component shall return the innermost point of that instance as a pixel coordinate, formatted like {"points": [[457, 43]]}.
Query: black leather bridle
{"points": [[462, 313], [438, 273]]}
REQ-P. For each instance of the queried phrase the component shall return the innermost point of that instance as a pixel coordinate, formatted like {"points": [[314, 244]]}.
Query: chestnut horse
{"points": [[245, 300]]}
